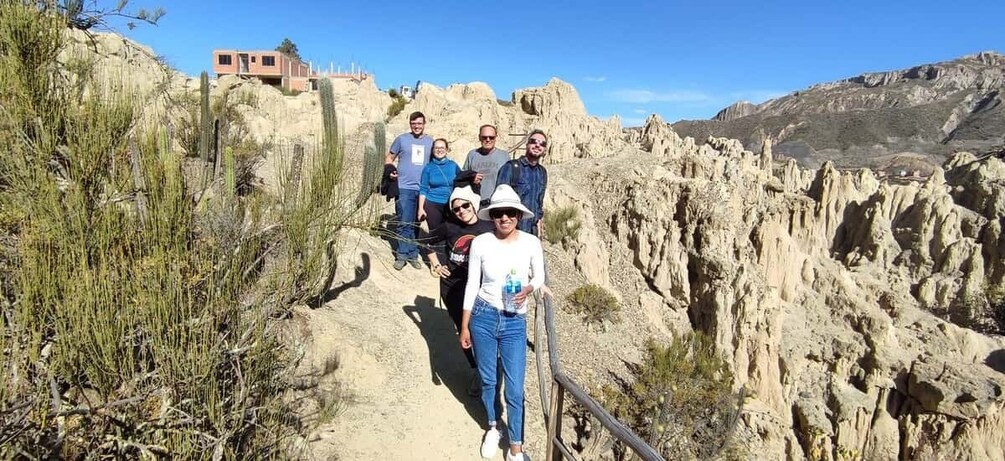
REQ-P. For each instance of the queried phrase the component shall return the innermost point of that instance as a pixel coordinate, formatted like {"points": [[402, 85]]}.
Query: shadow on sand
{"points": [[362, 272], [447, 364]]}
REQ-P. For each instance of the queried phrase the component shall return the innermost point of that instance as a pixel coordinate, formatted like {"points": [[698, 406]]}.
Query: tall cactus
{"points": [[379, 138], [331, 143], [229, 175], [328, 184], [372, 162], [205, 122]]}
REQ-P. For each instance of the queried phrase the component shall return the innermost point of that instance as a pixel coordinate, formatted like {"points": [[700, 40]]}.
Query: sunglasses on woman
{"points": [[463, 206], [500, 212]]}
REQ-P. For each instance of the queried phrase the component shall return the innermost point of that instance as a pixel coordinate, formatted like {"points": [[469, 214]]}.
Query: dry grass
{"points": [[137, 319], [562, 225], [595, 304]]}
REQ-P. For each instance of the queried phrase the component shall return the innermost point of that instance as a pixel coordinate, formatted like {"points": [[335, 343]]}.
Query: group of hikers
{"points": [[484, 224]]}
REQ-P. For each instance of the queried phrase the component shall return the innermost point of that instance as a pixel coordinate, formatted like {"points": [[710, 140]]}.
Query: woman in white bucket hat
{"points": [[495, 323]]}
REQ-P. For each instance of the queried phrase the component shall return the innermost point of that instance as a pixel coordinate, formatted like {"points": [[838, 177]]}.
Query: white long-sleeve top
{"points": [[491, 259]]}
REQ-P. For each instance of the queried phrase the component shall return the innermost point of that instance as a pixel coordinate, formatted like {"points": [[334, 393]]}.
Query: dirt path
{"points": [[402, 367]]}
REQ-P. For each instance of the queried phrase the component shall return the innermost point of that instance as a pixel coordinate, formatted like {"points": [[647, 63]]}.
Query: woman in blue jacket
{"points": [[435, 186]]}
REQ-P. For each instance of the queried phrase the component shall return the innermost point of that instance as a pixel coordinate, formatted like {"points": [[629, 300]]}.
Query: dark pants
{"points": [[453, 298], [435, 215]]}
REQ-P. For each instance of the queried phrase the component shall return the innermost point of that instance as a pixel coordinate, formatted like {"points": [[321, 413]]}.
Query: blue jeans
{"points": [[496, 333], [406, 207]]}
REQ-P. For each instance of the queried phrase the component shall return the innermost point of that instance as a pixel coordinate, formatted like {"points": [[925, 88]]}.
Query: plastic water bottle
{"points": [[511, 288]]}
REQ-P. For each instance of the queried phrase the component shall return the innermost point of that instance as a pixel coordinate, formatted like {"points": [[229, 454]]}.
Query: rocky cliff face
{"points": [[456, 112], [911, 118], [735, 111], [848, 305]]}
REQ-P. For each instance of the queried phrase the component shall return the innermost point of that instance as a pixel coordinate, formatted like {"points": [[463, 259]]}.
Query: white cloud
{"points": [[636, 96], [599, 79], [641, 111]]}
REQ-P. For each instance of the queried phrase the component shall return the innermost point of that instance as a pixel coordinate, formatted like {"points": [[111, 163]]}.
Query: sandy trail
{"points": [[401, 364]]}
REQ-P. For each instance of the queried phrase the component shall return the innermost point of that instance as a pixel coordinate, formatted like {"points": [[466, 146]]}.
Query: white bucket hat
{"points": [[504, 197], [465, 193]]}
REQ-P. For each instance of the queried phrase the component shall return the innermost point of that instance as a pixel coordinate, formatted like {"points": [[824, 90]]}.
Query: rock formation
{"points": [[457, 111], [735, 111], [844, 304]]}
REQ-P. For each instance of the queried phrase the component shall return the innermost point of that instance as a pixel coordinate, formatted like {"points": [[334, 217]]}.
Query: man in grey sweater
{"points": [[485, 161]]}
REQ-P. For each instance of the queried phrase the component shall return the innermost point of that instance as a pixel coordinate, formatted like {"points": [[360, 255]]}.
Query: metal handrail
{"points": [[561, 384]]}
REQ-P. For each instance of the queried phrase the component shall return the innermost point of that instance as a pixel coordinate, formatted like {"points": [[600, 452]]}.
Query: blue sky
{"points": [[682, 60]]}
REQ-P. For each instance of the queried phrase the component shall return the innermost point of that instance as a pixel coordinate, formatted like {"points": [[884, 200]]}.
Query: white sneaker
{"points": [[517, 457], [491, 443]]}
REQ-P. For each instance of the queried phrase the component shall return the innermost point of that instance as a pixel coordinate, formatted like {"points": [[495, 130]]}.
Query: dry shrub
{"points": [[680, 400], [595, 304], [398, 103], [562, 225]]}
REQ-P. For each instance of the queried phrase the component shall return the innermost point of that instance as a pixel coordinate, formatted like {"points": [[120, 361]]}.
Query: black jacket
{"points": [[466, 178], [389, 186]]}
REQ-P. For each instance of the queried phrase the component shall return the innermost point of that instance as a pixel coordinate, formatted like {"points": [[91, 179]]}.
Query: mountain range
{"points": [[904, 119]]}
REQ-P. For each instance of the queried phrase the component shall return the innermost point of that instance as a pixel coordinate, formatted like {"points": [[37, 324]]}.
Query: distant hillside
{"points": [[895, 119]]}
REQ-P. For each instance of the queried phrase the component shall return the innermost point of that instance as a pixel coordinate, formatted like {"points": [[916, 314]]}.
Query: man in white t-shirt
{"points": [[412, 151]]}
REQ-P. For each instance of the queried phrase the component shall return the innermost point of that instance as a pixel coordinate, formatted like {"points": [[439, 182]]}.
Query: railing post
{"points": [[539, 346], [555, 421]]}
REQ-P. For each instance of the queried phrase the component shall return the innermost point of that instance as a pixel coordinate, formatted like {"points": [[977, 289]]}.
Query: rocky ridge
{"points": [[913, 118]]}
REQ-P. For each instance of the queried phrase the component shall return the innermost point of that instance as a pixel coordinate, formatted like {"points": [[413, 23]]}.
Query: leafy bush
{"points": [[397, 105], [595, 304], [996, 296], [680, 399], [983, 312], [562, 225], [996, 307], [289, 91]]}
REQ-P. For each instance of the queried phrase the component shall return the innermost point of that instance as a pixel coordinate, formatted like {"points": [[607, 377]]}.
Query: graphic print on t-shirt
{"points": [[418, 154], [459, 253]]}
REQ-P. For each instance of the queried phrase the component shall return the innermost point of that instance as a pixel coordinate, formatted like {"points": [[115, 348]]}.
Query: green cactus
{"points": [[330, 204], [331, 144], [372, 165], [163, 144], [379, 138], [205, 121], [229, 175]]}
